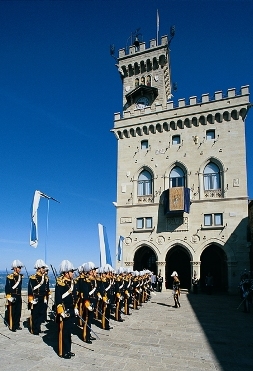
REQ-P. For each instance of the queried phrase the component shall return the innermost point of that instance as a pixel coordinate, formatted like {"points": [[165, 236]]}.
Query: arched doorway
{"points": [[178, 259], [145, 258], [214, 260]]}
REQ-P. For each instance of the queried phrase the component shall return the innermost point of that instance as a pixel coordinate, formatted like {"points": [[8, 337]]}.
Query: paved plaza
{"points": [[206, 333]]}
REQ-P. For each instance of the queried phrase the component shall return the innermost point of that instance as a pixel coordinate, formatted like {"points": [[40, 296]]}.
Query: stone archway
{"points": [[145, 258], [214, 260], [178, 259]]}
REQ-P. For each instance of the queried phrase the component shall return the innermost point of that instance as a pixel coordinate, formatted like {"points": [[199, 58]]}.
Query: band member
{"points": [[48, 295], [106, 284], [176, 289], [128, 288], [13, 287], [66, 308], [38, 288], [136, 290], [89, 294], [79, 281], [119, 288]]}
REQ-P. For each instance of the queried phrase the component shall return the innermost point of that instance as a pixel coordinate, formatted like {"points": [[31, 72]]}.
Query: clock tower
{"points": [[182, 202], [145, 74]]}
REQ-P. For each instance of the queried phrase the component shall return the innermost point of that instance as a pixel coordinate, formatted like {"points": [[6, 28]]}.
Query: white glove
{"points": [[90, 308], [34, 301], [49, 296], [11, 299], [45, 300], [99, 297], [63, 315], [76, 312]]}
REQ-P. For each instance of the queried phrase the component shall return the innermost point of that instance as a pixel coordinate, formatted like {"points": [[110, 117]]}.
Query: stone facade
{"points": [[157, 136]]}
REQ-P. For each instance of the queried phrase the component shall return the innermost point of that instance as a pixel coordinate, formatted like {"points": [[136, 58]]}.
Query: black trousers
{"points": [[37, 316], [65, 328], [13, 313]]}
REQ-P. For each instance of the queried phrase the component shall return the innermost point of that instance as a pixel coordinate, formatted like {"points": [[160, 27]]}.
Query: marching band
{"points": [[80, 295]]}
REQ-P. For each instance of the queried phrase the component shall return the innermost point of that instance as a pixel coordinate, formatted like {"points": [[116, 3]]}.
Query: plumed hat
{"points": [[16, 263], [174, 274], [88, 266], [66, 266], [39, 264], [108, 268]]}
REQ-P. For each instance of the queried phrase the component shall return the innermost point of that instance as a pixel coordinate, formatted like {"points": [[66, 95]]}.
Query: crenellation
{"points": [[205, 98], [181, 103], [152, 43]]}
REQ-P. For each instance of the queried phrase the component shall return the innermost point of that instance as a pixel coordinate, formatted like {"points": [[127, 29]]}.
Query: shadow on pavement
{"points": [[228, 330]]}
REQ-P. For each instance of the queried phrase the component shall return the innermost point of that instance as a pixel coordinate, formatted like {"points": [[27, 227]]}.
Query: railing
{"points": [[213, 193], [145, 199]]}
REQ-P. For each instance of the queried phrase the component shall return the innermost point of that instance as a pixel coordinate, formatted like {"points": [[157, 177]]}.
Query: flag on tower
{"points": [[120, 248], [105, 255], [157, 26]]}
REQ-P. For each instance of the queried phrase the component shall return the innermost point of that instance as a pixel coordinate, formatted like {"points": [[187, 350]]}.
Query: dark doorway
{"points": [[145, 258], [214, 260], [178, 260]]}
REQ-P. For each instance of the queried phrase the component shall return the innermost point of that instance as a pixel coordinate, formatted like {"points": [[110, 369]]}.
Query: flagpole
{"points": [[46, 230]]}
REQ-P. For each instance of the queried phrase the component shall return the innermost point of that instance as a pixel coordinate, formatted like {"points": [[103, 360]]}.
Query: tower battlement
{"points": [[124, 52], [218, 100]]}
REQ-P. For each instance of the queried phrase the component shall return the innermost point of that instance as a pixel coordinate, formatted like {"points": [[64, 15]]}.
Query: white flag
{"points": [[34, 222]]}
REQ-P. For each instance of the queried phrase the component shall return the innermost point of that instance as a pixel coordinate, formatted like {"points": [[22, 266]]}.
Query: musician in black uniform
{"points": [[88, 289], [119, 292], [38, 288], [66, 307], [13, 287], [128, 288], [176, 289]]}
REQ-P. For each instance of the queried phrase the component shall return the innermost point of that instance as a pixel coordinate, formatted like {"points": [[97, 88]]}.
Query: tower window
{"points": [[210, 134], [144, 183], [144, 144], [148, 80], [212, 177], [144, 223], [177, 177], [215, 220], [176, 139], [136, 83]]}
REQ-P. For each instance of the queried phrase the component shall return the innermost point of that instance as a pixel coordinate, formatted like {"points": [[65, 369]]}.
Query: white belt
{"points": [[41, 282], [17, 283]]}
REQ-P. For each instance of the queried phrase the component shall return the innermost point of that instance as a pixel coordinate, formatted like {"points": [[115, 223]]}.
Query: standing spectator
{"points": [[195, 283], [209, 284], [153, 280], [159, 282]]}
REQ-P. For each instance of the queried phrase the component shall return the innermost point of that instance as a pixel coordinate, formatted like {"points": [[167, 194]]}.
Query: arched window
{"points": [[212, 177], [177, 177], [144, 183], [136, 83]]}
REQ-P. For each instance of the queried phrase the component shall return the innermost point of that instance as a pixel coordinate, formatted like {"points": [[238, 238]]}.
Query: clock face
{"points": [[142, 103]]}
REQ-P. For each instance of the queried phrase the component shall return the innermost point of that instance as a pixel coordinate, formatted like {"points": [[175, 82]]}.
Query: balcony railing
{"points": [[213, 193], [147, 199]]}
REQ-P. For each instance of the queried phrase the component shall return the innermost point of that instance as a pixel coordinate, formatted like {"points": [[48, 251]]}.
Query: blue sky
{"points": [[59, 89]]}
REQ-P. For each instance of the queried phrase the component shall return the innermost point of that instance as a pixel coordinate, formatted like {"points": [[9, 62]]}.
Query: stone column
{"points": [[161, 269], [195, 268]]}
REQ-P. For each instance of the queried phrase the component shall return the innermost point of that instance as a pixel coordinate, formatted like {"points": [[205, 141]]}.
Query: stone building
{"points": [[182, 201]]}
